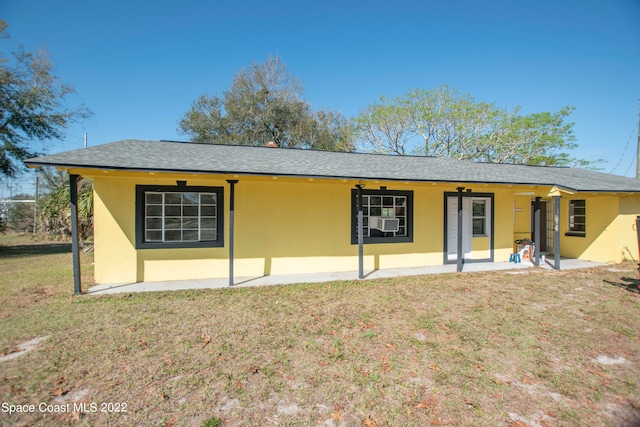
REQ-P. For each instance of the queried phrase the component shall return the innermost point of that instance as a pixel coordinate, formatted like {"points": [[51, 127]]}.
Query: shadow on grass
{"points": [[632, 421], [627, 283], [35, 249]]}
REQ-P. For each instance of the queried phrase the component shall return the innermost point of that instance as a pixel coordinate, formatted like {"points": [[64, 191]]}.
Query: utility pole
{"points": [[638, 153], [35, 205]]}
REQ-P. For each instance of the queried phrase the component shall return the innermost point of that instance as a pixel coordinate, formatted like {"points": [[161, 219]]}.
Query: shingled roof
{"points": [[167, 156]]}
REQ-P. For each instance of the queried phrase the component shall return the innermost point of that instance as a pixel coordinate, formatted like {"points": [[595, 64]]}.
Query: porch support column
{"points": [[232, 187], [536, 231], [638, 231], [75, 239], [360, 234], [459, 243], [556, 232]]}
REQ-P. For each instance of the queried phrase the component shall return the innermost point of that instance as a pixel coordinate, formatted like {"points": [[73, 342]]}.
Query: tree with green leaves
{"points": [[33, 105], [442, 122], [54, 204], [265, 104]]}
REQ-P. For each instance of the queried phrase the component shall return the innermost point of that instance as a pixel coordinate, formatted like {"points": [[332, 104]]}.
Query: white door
{"points": [[452, 228]]}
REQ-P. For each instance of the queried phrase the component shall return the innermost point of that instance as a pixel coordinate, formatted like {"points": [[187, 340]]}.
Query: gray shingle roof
{"points": [[165, 156]]}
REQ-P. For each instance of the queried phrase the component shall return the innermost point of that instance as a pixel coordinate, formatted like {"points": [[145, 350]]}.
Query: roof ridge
{"points": [[301, 149]]}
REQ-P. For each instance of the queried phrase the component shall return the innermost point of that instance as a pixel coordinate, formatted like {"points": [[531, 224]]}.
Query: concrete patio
{"points": [[566, 264]]}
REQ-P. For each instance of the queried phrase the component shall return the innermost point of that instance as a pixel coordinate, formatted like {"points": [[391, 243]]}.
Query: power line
{"points": [[629, 167], [635, 127]]}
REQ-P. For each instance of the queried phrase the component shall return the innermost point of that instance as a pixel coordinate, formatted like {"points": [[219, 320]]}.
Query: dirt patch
{"points": [[284, 408], [228, 404], [23, 348], [606, 360], [74, 396], [537, 419]]}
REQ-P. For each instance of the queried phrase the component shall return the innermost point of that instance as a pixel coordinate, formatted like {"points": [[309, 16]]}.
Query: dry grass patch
{"points": [[537, 349]]}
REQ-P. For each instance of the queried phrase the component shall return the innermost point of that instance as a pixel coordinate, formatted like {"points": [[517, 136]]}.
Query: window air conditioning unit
{"points": [[388, 224]]}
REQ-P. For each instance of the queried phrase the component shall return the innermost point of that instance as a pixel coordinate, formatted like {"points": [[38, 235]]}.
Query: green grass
{"points": [[470, 349]]}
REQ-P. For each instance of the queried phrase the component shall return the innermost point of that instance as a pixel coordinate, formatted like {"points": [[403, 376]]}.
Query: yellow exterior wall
{"points": [[626, 222], [610, 228], [521, 211], [503, 220], [292, 227], [304, 226], [480, 247], [282, 226], [288, 226], [601, 239], [115, 256]]}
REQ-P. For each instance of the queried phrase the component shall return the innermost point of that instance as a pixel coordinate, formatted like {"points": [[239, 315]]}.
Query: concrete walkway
{"points": [[286, 279]]}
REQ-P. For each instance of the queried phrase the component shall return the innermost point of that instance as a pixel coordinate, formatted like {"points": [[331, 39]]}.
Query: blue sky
{"points": [[140, 64]]}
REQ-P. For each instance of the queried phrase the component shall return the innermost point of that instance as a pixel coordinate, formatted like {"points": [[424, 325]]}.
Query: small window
{"points": [[577, 218], [479, 213], [387, 216], [177, 217]]}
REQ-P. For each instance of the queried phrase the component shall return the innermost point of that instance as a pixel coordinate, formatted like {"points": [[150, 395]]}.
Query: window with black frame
{"points": [[178, 216], [387, 216], [577, 218]]}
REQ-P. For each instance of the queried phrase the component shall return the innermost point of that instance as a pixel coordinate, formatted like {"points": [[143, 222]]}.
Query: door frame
{"points": [[544, 230], [469, 194]]}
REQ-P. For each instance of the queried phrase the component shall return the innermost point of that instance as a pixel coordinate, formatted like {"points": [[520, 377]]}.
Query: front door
{"points": [[452, 228], [543, 224]]}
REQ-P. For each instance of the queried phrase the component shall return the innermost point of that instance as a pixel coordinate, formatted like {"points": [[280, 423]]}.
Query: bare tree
{"points": [[33, 105], [264, 104]]}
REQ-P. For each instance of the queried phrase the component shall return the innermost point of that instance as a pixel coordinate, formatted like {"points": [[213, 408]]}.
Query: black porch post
{"points": [[459, 249], [556, 232], [232, 186], [360, 234], [536, 230], [75, 240], [638, 231]]}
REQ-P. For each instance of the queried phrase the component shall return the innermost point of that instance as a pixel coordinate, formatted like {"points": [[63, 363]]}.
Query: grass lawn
{"points": [[537, 348]]}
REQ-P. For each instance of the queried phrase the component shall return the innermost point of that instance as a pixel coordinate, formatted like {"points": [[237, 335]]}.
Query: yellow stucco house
{"points": [[172, 211]]}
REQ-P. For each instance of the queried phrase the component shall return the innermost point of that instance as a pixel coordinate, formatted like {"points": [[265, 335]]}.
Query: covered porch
{"points": [[544, 233]]}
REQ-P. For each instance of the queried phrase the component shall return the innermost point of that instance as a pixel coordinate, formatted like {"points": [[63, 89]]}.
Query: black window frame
{"points": [[390, 239], [141, 190], [571, 230]]}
